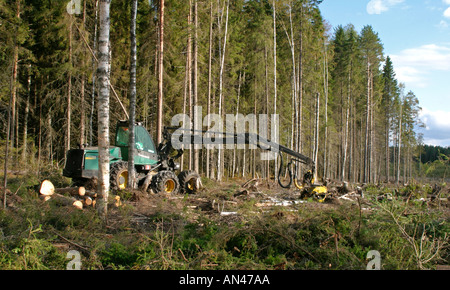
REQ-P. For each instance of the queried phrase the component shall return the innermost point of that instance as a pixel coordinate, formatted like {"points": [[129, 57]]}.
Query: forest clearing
{"points": [[233, 225], [89, 90]]}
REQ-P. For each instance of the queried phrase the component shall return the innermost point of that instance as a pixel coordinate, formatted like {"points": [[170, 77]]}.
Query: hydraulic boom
{"points": [[182, 136]]}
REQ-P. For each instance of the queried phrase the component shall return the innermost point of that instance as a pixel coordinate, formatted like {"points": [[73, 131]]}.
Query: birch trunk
{"points": [[103, 104], [132, 111]]}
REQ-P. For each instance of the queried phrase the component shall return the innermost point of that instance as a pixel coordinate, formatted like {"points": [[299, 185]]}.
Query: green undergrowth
{"points": [[408, 235]]}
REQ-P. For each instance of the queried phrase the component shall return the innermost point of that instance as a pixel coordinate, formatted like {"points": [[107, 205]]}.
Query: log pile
{"points": [[78, 197]]}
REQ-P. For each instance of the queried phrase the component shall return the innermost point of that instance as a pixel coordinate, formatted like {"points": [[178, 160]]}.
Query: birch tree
{"points": [[103, 104], [132, 112]]}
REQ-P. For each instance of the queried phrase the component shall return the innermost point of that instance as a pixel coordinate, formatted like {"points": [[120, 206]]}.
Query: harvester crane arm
{"points": [[191, 138]]}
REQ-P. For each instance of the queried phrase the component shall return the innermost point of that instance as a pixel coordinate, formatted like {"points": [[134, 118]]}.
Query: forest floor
{"points": [[235, 224], [241, 200]]}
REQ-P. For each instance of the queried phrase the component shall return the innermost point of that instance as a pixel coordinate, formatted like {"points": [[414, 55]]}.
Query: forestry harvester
{"points": [[156, 167]]}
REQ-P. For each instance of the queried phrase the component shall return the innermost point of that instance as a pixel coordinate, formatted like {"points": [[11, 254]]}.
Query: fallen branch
{"points": [[246, 184], [86, 250]]}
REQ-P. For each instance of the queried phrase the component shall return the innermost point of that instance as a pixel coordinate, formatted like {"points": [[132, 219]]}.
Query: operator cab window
{"points": [[122, 136], [142, 139]]}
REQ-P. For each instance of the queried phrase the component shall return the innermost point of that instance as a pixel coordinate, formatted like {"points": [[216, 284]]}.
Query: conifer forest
{"points": [[71, 70]]}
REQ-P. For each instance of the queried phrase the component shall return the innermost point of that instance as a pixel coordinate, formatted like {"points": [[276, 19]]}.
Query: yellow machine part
{"points": [[297, 185], [321, 190]]}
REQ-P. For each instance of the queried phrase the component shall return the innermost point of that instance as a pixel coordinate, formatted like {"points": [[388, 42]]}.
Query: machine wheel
{"points": [[165, 182], [190, 181], [119, 175]]}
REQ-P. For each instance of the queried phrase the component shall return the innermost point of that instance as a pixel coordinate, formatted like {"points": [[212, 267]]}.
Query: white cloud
{"points": [[380, 6], [414, 66], [411, 75], [447, 12], [376, 7], [429, 57], [437, 130], [447, 2]]}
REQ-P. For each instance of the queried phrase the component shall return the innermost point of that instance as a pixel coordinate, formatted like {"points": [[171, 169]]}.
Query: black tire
{"points": [[165, 182], [189, 181], [119, 175]]}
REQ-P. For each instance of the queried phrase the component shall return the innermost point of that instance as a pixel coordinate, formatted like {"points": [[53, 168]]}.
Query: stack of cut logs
{"points": [[78, 197]]}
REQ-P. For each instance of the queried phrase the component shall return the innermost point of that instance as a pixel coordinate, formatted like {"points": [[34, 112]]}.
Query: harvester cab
{"points": [[146, 154]]}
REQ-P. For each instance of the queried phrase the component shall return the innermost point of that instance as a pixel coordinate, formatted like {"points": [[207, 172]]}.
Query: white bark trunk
{"points": [[103, 104], [222, 64], [132, 113]]}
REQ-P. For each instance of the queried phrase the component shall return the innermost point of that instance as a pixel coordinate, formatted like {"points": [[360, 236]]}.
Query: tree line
{"points": [[333, 88]]}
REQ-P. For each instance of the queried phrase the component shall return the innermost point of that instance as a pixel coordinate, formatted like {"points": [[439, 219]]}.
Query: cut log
{"points": [[78, 204], [117, 202], [74, 191], [66, 200], [47, 188], [45, 197], [92, 194], [87, 201]]}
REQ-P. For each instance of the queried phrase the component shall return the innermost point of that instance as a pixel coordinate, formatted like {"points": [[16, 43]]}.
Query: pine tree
{"points": [[372, 51], [390, 92]]}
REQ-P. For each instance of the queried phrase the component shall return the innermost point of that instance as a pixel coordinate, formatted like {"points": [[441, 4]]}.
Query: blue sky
{"points": [[416, 35]]}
